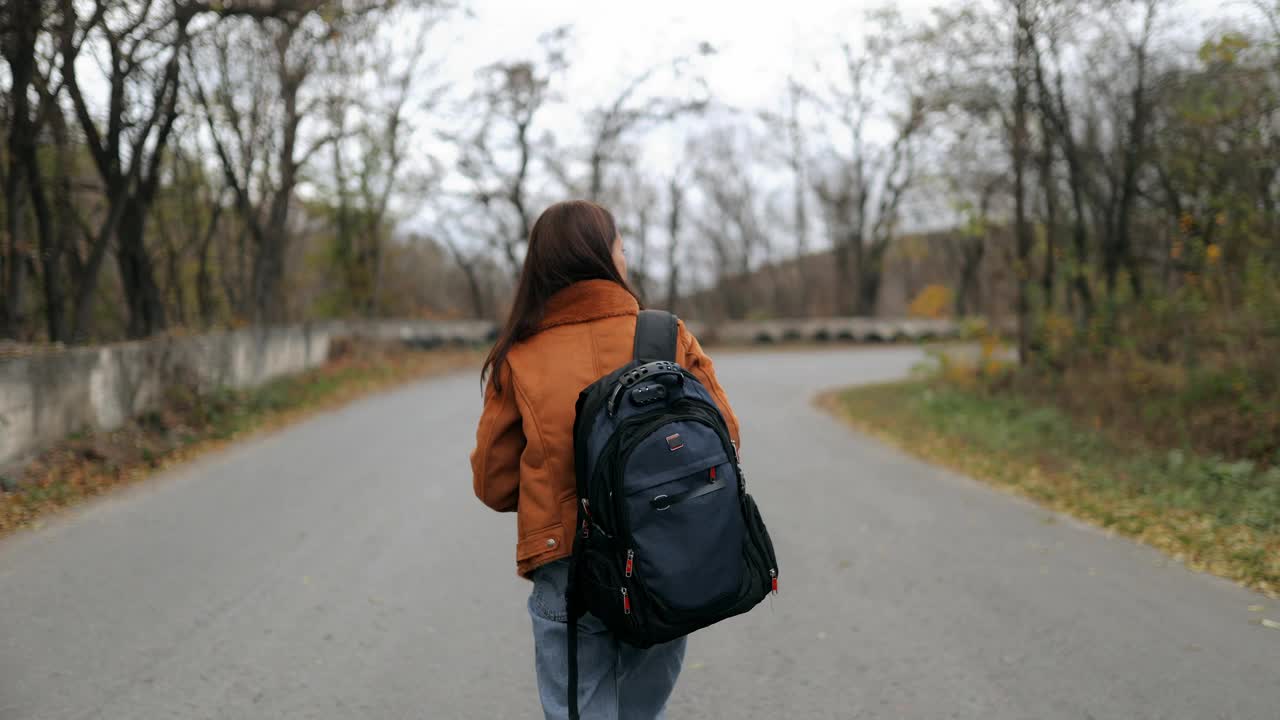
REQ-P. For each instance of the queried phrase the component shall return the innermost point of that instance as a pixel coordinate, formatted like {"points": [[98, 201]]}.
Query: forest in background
{"points": [[1104, 173]]}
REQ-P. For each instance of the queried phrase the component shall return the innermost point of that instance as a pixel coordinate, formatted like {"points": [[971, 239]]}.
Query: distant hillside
{"points": [[806, 286]]}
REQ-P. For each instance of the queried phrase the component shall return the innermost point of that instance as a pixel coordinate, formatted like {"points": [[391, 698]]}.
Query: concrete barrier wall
{"points": [[45, 397], [852, 329]]}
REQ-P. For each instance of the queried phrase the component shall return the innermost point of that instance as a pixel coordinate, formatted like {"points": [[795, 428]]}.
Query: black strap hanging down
{"points": [[572, 612], [656, 333]]}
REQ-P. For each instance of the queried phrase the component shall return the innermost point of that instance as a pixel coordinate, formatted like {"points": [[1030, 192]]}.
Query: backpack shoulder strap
{"points": [[656, 336]]}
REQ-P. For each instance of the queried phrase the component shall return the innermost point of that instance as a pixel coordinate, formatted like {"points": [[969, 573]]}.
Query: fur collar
{"points": [[588, 300]]}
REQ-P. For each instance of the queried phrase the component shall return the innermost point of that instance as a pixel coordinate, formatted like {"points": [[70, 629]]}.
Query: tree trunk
{"points": [[272, 240], [50, 258], [868, 293], [21, 22], [1022, 228], [970, 261], [87, 283], [204, 282], [853, 262], [639, 274], [1134, 154], [1045, 164], [673, 231], [268, 277], [66, 257], [799, 207], [12, 320], [1054, 107], [870, 274], [842, 273], [137, 272], [375, 269], [478, 304], [596, 187], [1080, 238]]}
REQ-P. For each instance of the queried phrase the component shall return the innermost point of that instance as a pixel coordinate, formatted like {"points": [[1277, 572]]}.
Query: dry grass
{"points": [[1213, 515]]}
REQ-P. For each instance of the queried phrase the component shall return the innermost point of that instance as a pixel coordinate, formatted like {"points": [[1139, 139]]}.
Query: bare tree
{"points": [[732, 220], [675, 225], [631, 111], [862, 186], [144, 44], [21, 24], [1057, 124], [377, 145], [797, 163], [294, 36], [498, 156], [453, 227], [637, 213], [793, 154], [1132, 146], [1019, 149]]}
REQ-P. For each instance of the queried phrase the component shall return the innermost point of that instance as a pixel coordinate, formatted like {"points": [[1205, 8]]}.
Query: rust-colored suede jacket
{"points": [[523, 461]]}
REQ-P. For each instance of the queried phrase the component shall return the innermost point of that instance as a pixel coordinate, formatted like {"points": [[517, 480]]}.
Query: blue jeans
{"points": [[615, 681]]}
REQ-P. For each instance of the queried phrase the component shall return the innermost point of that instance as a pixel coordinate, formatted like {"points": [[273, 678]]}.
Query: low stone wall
{"points": [[852, 329], [45, 397]]}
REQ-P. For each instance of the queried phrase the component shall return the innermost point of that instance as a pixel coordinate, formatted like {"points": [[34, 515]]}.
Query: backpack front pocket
{"points": [[686, 537]]}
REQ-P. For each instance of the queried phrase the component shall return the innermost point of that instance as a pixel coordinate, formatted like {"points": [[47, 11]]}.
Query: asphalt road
{"points": [[343, 569]]}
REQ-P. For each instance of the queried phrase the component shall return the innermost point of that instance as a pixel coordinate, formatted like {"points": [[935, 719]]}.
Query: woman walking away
{"points": [[573, 321]]}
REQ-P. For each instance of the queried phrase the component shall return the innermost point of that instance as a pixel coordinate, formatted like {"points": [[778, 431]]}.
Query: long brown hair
{"points": [[572, 241]]}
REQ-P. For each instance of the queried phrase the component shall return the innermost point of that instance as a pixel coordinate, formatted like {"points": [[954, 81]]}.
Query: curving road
{"points": [[342, 569]]}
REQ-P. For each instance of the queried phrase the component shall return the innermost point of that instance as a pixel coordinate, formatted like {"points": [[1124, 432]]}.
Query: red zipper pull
{"points": [[631, 560], [626, 602], [586, 530], [774, 575]]}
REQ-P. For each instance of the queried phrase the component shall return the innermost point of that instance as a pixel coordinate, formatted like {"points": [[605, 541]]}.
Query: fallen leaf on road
{"points": [[1270, 624], [1255, 608], [697, 666]]}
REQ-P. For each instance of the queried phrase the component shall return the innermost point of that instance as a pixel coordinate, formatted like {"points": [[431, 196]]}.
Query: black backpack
{"points": [[668, 540]]}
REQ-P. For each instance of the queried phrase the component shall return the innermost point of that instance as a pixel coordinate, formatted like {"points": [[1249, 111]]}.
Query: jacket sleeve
{"points": [[699, 363], [495, 462]]}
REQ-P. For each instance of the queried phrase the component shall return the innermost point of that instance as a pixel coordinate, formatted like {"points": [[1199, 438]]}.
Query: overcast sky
{"points": [[758, 45], [758, 42]]}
